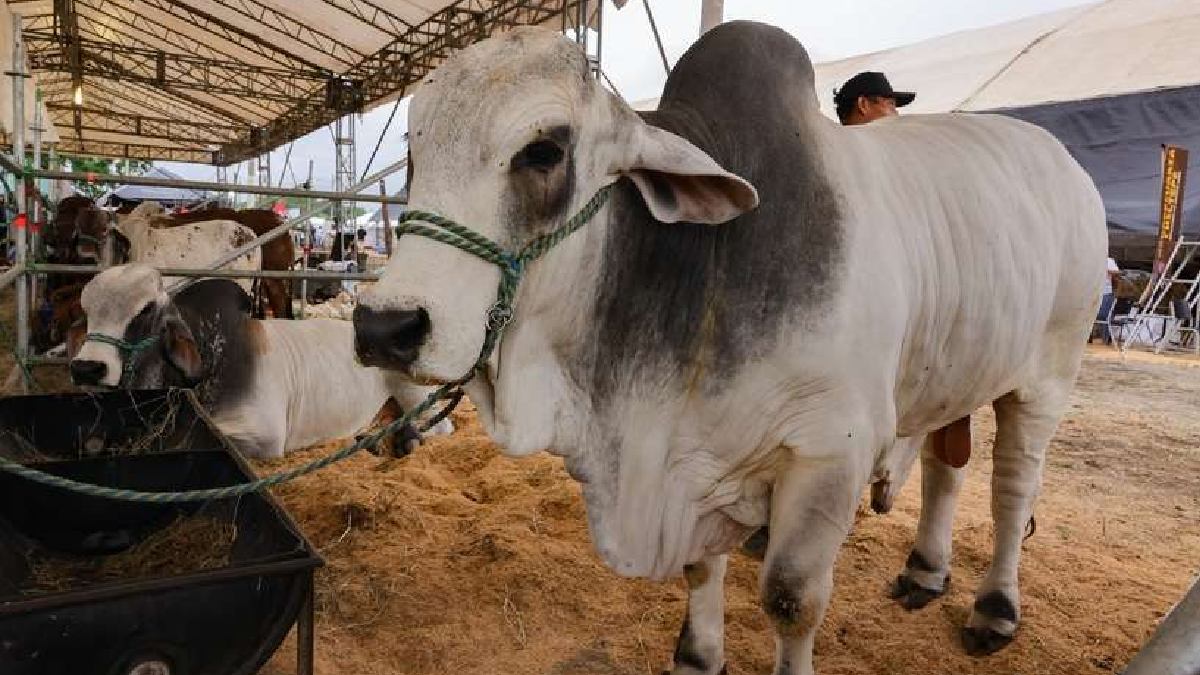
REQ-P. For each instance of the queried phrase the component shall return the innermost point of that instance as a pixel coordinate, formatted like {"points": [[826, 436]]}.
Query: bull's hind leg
{"points": [[1025, 421], [701, 646], [927, 572]]}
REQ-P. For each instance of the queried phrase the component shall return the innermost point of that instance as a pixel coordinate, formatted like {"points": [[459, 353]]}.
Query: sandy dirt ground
{"points": [[457, 560]]}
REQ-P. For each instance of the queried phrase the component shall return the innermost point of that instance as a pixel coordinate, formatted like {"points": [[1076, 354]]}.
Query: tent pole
{"points": [[20, 228], [711, 14]]}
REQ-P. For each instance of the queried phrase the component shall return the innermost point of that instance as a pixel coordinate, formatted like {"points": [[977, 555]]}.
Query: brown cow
{"points": [[59, 237], [277, 254], [72, 238]]}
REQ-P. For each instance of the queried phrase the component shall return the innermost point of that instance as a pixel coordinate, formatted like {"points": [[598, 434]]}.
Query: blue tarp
{"points": [[1118, 140]]}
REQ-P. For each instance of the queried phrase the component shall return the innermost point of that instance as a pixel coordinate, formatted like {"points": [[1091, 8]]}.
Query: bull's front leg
{"points": [[812, 510], [701, 646]]}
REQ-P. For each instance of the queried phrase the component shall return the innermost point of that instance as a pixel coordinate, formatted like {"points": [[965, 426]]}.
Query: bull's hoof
{"points": [[913, 596], [984, 641], [756, 545], [723, 671], [406, 441]]}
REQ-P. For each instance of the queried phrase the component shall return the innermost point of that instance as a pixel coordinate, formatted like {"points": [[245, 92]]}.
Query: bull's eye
{"points": [[146, 311], [542, 155]]}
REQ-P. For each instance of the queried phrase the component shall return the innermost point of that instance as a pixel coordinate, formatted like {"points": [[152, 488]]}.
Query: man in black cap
{"points": [[868, 96]]}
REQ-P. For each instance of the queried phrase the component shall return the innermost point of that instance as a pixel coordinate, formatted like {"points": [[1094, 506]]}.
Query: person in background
{"points": [[7, 244], [1111, 278], [869, 96]]}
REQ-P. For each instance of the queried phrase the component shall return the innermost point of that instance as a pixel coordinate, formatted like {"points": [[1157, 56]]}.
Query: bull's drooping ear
{"points": [[180, 346], [75, 335], [680, 182]]}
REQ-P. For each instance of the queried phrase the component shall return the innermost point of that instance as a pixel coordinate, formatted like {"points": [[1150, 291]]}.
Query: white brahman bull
{"points": [[766, 303], [134, 238], [270, 385]]}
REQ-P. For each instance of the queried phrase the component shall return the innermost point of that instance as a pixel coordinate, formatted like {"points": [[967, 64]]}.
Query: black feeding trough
{"points": [[99, 587]]}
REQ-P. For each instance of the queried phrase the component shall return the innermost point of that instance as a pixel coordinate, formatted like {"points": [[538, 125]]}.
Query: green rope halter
{"points": [[512, 268], [129, 351], [512, 265]]}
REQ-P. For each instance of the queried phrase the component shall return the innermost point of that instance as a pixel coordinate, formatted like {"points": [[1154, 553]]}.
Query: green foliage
{"points": [[122, 167]]}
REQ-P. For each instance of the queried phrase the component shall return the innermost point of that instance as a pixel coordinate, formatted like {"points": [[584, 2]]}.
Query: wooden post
{"points": [[387, 228], [711, 14]]}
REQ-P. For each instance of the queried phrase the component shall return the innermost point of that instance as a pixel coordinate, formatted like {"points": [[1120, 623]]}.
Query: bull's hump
{"points": [[703, 301], [742, 68]]}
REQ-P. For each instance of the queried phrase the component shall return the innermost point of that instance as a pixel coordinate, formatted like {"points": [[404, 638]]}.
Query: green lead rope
{"points": [[512, 268]]}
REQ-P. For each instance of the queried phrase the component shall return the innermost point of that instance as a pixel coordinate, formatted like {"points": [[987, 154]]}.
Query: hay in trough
{"points": [[186, 545]]}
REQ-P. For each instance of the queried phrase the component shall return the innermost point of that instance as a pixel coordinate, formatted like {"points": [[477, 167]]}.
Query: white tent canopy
{"points": [[1101, 49], [1093, 50], [1112, 80]]}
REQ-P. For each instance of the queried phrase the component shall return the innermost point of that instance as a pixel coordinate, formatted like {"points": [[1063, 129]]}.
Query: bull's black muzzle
{"points": [[87, 373], [389, 338]]}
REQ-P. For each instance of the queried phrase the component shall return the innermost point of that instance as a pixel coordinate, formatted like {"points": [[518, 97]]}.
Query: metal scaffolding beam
{"points": [[162, 69], [147, 126], [400, 64], [79, 147], [287, 25], [39, 20], [345, 154], [201, 273], [223, 30], [133, 99], [20, 230], [373, 14], [257, 91], [206, 186]]}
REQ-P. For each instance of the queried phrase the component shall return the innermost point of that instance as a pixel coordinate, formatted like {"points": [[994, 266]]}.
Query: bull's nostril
{"points": [[88, 372], [410, 328]]}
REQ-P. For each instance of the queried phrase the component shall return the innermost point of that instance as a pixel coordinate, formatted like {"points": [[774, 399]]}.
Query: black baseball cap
{"points": [[870, 83]]}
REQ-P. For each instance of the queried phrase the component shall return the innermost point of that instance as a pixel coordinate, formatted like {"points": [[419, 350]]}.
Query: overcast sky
{"points": [[829, 30]]}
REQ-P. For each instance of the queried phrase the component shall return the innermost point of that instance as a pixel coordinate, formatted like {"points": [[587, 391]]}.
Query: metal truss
{"points": [[220, 91], [284, 24], [90, 148], [400, 64], [38, 20], [134, 99], [162, 69], [230, 33], [146, 30], [371, 13], [163, 128]]}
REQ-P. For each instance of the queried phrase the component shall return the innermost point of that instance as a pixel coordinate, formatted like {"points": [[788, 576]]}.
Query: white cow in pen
{"points": [[766, 309], [270, 385]]}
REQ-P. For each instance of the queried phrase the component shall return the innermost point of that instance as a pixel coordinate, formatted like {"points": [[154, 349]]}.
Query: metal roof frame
{"points": [[222, 81]]}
